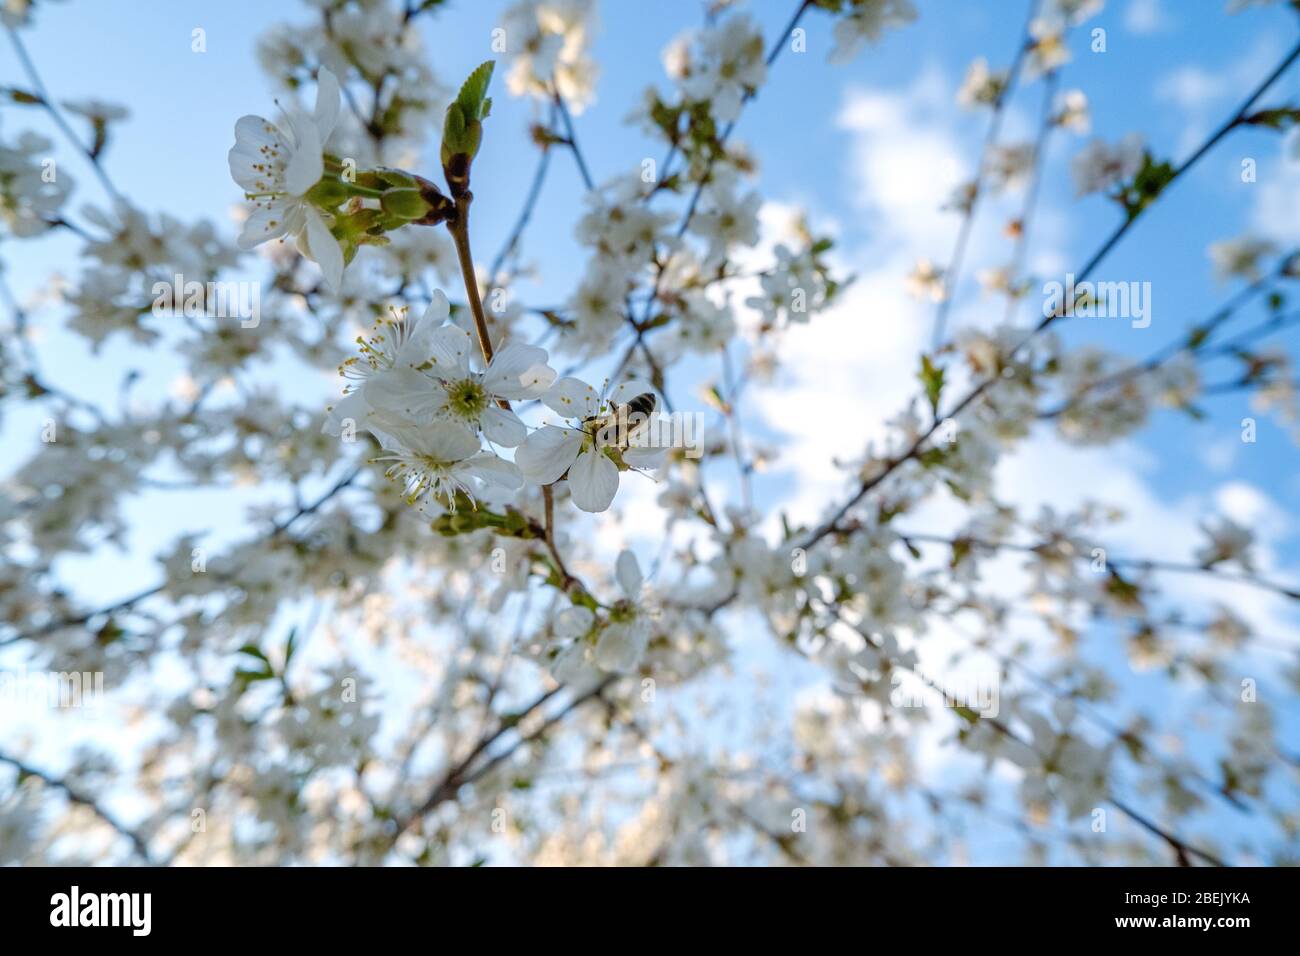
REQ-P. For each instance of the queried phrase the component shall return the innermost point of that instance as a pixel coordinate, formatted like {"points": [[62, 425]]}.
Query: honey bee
{"points": [[615, 429]]}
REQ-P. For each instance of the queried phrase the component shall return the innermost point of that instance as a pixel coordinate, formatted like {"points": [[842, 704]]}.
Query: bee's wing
{"points": [[629, 390]]}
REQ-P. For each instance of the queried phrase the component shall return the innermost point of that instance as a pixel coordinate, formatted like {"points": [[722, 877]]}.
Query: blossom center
{"points": [[466, 399]]}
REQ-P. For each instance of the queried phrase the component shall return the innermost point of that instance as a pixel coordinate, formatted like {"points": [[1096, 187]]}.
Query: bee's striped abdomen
{"points": [[643, 404]]}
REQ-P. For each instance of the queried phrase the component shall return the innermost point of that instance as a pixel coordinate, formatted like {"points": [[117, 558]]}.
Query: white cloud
{"points": [[1219, 456], [853, 368], [1144, 17], [1191, 87], [1205, 94], [1247, 505], [1276, 209]]}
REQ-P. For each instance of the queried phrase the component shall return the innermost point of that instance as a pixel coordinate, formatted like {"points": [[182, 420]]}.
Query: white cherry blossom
{"points": [[384, 377], [728, 64], [438, 460], [622, 642], [276, 168], [516, 372], [1229, 541], [550, 40], [1100, 166], [575, 452], [865, 22], [982, 86], [1240, 257]]}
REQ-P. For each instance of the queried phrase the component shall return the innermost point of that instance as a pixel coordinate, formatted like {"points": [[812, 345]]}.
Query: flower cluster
{"points": [[720, 66], [865, 21], [412, 387], [547, 42], [1101, 166], [327, 206], [590, 451], [31, 190]]}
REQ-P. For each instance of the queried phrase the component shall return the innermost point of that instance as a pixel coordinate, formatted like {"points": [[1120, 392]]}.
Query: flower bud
{"points": [[328, 194], [404, 203]]}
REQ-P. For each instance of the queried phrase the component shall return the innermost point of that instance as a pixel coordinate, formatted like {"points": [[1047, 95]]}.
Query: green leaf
{"points": [[931, 377], [1149, 183], [462, 130], [1281, 118], [1122, 590], [932, 457], [453, 130], [472, 97], [252, 677]]}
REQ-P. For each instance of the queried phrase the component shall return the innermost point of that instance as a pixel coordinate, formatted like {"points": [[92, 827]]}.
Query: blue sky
{"points": [[823, 136]]}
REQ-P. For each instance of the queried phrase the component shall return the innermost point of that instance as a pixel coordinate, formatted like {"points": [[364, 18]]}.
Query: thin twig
{"points": [[526, 213], [47, 102], [138, 844], [572, 142], [461, 774], [990, 140]]}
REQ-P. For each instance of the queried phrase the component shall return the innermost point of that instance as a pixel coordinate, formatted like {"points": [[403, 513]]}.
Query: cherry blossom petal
{"points": [[438, 309], [404, 393], [593, 481], [417, 346], [306, 165], [264, 223], [518, 372], [644, 458], [351, 407], [502, 427], [442, 441], [493, 470], [327, 103], [572, 666], [449, 349], [621, 645], [572, 398], [628, 573], [547, 453], [258, 156], [324, 249], [574, 622]]}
